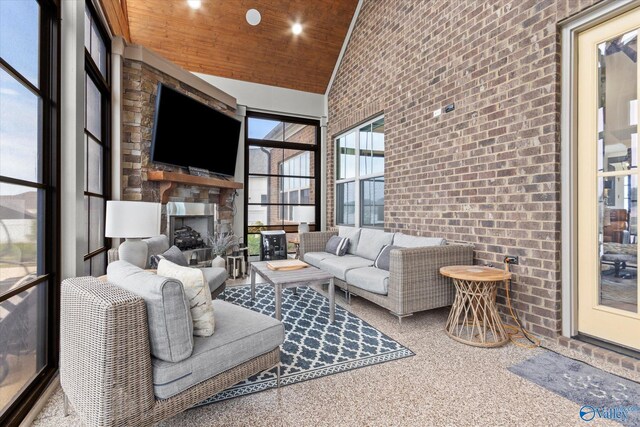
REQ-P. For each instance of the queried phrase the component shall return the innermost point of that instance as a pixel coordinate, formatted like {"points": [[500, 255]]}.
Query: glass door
{"points": [[608, 77]]}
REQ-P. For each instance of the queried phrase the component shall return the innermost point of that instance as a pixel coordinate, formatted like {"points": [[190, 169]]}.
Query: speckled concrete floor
{"points": [[445, 384]]}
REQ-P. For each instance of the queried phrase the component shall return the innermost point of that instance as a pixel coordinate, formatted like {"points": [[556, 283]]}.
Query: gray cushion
{"points": [[351, 233], [407, 241], [168, 312], [214, 276], [370, 279], [337, 245], [175, 255], [339, 265], [241, 335], [315, 258], [383, 260], [371, 241], [157, 244]]}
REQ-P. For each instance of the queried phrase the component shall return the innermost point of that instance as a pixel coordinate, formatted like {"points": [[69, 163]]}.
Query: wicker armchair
{"points": [[105, 361], [415, 282]]}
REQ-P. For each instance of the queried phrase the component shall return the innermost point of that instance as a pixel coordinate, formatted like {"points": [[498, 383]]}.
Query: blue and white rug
{"points": [[601, 395], [312, 346]]}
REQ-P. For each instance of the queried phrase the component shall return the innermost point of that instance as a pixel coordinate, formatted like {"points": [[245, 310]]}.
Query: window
{"points": [[29, 283], [282, 155], [360, 176], [96, 141]]}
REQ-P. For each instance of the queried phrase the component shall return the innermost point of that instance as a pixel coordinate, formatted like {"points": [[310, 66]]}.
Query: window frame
{"points": [[303, 147], [103, 84], [48, 90], [357, 180]]}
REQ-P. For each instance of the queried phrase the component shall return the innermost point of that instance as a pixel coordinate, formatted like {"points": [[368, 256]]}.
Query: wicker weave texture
{"points": [[105, 361], [314, 241], [415, 282]]}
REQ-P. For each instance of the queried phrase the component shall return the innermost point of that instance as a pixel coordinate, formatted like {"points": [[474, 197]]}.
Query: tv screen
{"points": [[187, 132]]}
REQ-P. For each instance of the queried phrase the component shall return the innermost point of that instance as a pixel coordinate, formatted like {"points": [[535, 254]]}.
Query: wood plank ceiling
{"points": [[216, 39]]}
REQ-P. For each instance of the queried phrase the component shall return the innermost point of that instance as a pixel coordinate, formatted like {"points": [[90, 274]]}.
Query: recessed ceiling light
{"points": [[253, 17], [194, 4], [296, 28]]}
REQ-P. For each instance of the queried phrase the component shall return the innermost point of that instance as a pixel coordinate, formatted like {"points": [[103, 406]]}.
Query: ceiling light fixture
{"points": [[253, 17], [296, 28], [194, 4]]}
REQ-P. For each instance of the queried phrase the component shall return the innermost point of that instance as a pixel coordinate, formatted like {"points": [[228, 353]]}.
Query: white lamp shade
{"points": [[306, 214], [132, 220]]}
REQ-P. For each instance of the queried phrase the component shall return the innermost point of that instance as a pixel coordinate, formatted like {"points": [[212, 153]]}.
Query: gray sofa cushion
{"points": [[157, 244], [370, 279], [371, 242], [315, 258], [168, 312], [339, 265], [214, 276], [241, 334], [351, 233], [407, 241]]}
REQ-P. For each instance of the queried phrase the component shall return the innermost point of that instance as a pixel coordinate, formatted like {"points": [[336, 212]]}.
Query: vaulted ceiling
{"points": [[216, 38]]}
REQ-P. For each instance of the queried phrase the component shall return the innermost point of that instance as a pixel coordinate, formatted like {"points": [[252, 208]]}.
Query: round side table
{"points": [[474, 319]]}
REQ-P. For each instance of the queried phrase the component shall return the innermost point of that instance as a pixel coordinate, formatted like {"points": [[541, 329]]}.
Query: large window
{"points": [[282, 187], [97, 158], [29, 262], [360, 175]]}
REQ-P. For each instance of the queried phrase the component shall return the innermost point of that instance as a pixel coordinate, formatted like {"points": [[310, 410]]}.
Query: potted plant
{"points": [[220, 244]]}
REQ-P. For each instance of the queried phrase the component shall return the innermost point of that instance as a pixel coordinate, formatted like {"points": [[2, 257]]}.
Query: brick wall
{"points": [[140, 82], [488, 172]]}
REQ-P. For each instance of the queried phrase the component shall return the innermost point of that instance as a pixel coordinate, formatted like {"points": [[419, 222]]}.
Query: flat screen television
{"points": [[188, 133]]}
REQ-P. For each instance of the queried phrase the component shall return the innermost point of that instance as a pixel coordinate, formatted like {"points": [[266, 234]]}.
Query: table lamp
{"points": [[304, 215], [132, 221]]}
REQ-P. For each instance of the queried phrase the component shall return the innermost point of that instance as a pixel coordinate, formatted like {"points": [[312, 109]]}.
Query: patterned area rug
{"points": [[312, 347], [601, 395]]}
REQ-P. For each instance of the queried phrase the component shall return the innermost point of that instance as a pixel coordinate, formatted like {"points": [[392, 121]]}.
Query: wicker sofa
{"points": [[110, 377], [413, 282]]}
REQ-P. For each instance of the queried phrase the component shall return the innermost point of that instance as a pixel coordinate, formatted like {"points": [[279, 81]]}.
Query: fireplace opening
{"points": [[190, 224]]}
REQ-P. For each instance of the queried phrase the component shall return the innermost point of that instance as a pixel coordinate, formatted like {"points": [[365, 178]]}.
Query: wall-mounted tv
{"points": [[188, 133]]}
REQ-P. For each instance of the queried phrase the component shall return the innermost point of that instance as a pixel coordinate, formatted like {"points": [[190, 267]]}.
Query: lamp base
{"points": [[303, 228], [134, 251]]}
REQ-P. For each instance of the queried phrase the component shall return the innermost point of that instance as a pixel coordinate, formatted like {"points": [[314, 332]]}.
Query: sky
{"points": [[19, 107], [259, 128]]}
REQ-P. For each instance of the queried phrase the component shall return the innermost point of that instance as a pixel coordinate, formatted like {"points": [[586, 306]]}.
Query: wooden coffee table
{"points": [[291, 279]]}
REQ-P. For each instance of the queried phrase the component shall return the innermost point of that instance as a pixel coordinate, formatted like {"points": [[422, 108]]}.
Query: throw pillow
{"points": [[197, 291], [383, 260], [337, 245], [173, 254]]}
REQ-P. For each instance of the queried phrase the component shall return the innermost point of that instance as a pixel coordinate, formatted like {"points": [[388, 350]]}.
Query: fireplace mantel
{"points": [[169, 180]]}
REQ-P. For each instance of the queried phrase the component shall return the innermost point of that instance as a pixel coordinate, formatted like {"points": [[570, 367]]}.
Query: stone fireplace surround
{"points": [[142, 70]]}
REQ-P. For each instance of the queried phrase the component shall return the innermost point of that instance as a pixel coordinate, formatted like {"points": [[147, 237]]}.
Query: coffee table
{"points": [[291, 279]]}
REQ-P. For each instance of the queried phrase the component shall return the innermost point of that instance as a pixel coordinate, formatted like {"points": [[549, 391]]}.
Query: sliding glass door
{"points": [[28, 202]]}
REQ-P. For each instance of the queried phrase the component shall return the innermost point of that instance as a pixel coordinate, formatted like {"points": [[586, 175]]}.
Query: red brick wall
{"points": [[488, 172]]}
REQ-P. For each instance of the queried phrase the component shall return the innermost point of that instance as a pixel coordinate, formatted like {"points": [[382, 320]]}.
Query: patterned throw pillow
{"points": [[383, 260], [337, 245], [197, 291]]}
